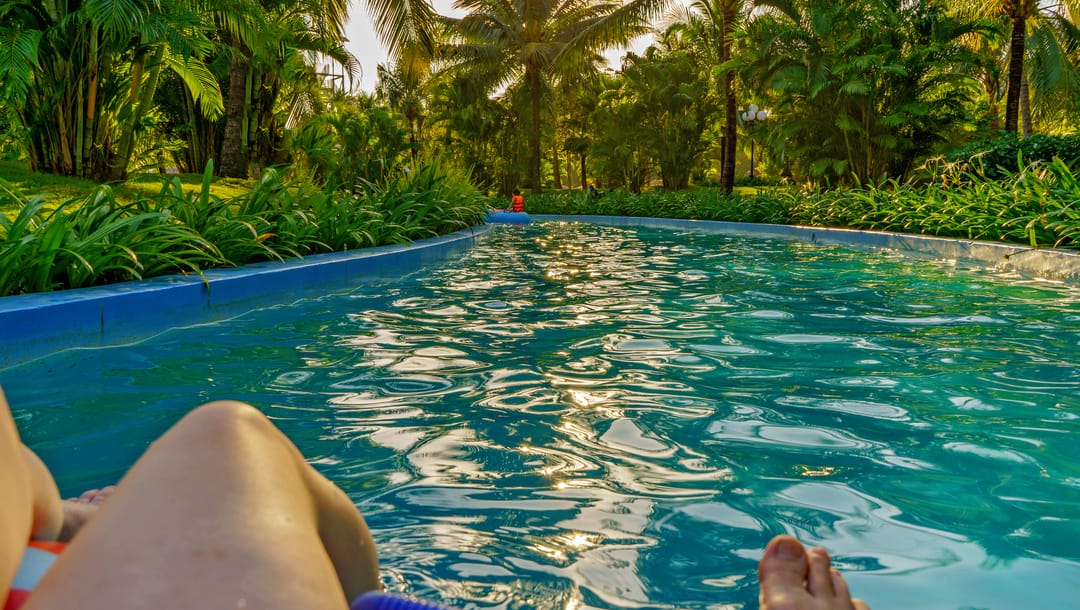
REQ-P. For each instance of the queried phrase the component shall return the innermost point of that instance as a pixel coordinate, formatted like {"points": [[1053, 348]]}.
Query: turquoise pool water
{"points": [[576, 416]]}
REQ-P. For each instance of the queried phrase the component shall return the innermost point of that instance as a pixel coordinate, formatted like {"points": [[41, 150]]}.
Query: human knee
{"points": [[225, 417]]}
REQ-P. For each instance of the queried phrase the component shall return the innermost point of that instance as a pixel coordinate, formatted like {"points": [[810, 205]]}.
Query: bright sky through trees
{"points": [[365, 45]]}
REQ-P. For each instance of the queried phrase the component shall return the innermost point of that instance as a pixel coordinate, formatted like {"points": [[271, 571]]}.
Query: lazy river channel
{"points": [[582, 416]]}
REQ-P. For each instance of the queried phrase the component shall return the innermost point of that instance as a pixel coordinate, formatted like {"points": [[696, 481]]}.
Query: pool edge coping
{"points": [[1033, 263], [38, 324]]}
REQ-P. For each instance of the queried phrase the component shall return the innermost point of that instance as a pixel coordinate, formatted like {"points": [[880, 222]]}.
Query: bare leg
{"points": [[32, 506], [793, 578], [17, 515], [221, 512]]}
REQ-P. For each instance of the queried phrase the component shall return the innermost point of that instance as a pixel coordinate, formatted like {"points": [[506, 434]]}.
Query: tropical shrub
{"points": [[96, 240], [481, 133], [80, 77], [698, 204], [860, 90], [1038, 206], [999, 156], [670, 98], [349, 146], [271, 222], [421, 201], [92, 240]]}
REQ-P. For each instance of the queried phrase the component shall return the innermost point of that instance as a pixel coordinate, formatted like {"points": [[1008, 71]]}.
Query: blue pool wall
{"points": [[35, 325]]}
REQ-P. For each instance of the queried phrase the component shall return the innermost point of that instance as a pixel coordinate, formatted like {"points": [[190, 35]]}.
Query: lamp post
{"points": [[750, 119]]}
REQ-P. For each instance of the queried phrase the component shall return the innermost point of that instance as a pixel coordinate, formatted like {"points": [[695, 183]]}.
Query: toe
{"points": [[102, 494], [820, 579], [782, 572]]}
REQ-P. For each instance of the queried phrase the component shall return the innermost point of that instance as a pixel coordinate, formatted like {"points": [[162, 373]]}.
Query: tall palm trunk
{"points": [[234, 154], [1027, 127], [413, 144], [532, 76], [1016, 70], [731, 113], [555, 165]]}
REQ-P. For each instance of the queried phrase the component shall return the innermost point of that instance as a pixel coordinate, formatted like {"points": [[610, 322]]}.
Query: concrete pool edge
{"points": [[1038, 263], [35, 325]]}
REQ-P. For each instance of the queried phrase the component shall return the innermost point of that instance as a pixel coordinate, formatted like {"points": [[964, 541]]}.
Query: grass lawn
{"points": [[57, 189]]}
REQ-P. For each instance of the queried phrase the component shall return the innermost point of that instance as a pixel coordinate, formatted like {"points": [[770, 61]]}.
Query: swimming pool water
{"points": [[578, 416]]}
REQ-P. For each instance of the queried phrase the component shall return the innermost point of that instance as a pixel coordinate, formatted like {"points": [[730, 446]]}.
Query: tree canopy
{"points": [[518, 93]]}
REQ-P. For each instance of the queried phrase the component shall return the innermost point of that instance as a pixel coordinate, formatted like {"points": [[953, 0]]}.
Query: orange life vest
{"points": [[517, 203]]}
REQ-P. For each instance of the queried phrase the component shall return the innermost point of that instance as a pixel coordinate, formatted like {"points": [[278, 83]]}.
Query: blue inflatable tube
{"points": [[378, 600], [509, 218]]}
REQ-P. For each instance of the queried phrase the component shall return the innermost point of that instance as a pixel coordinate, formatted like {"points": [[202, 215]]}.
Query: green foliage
{"points": [[620, 153], [267, 223], [480, 133], [80, 77], [18, 57], [697, 204], [344, 148], [420, 201], [1038, 206], [861, 89], [96, 239], [530, 44], [997, 157], [668, 95]]}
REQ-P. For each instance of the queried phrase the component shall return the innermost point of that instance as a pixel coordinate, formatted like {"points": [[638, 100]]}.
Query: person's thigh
{"points": [[16, 514], [221, 512]]}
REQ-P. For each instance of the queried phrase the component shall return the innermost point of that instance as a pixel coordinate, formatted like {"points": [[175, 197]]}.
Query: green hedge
{"points": [[1038, 205]]}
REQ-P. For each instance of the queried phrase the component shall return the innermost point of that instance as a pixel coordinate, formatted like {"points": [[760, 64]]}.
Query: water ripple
{"points": [[623, 417]]}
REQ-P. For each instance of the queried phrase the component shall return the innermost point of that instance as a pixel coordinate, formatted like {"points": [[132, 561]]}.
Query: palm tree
{"points": [[276, 30], [1018, 12], [714, 22], [404, 87], [621, 152], [861, 90], [532, 43], [82, 76], [670, 93], [1053, 66], [479, 132], [404, 24], [1052, 27], [578, 104]]}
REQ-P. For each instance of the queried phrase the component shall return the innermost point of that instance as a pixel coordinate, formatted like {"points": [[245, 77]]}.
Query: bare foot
{"points": [[77, 511], [94, 496], [793, 578]]}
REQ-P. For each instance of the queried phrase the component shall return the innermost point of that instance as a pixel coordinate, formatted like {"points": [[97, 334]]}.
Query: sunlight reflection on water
{"points": [[578, 416]]}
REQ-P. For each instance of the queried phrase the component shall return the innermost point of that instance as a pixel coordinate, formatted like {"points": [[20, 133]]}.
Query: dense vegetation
{"points": [[856, 97], [518, 93], [1038, 205], [96, 239]]}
